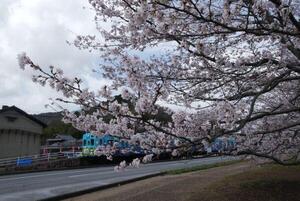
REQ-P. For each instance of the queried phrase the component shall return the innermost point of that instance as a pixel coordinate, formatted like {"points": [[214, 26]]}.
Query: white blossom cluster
{"points": [[234, 67]]}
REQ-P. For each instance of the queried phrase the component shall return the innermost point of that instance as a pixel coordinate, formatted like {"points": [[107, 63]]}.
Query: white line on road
{"points": [[47, 174]]}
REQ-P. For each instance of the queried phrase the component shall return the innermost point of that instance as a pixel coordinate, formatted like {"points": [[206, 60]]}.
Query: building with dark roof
{"points": [[20, 133], [62, 143]]}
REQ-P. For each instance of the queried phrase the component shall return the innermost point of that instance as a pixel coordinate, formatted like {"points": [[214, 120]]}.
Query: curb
{"points": [[98, 188]]}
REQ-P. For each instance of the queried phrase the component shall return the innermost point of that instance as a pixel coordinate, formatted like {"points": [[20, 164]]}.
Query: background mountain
{"points": [[56, 126], [48, 117]]}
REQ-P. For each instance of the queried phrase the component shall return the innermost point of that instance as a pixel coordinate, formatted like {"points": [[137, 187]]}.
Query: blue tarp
{"points": [[24, 162]]}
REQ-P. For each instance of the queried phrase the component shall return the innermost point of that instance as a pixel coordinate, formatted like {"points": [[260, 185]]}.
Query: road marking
{"points": [[84, 175], [45, 175]]}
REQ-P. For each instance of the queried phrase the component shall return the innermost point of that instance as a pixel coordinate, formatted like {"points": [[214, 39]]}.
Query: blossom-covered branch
{"points": [[238, 58]]}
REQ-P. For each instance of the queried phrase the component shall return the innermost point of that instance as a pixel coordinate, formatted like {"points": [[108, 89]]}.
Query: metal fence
{"points": [[34, 159]]}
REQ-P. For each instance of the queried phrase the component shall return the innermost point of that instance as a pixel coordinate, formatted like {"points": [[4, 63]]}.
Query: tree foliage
{"points": [[58, 127], [238, 58]]}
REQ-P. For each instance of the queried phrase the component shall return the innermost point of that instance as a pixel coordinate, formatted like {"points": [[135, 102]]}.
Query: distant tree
{"points": [[238, 58], [59, 127]]}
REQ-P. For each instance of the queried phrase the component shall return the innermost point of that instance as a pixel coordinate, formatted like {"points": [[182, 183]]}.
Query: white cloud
{"points": [[41, 28]]}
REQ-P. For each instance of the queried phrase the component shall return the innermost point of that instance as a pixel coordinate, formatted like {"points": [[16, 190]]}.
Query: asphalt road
{"points": [[35, 186]]}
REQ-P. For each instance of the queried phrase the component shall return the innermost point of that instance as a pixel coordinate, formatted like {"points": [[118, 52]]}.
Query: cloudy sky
{"points": [[40, 28]]}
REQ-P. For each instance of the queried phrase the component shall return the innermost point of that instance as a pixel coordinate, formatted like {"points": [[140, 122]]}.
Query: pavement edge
{"points": [[99, 188]]}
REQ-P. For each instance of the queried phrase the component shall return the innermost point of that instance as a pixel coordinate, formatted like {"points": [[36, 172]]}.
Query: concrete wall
{"points": [[18, 137]]}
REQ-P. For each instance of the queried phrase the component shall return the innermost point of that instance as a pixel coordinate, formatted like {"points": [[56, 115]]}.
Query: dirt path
{"points": [[182, 187]]}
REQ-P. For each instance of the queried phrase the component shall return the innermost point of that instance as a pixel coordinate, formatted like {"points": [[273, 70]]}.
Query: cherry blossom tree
{"points": [[233, 66]]}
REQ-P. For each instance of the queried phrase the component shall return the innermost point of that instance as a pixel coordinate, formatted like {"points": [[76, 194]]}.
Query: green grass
{"points": [[201, 167]]}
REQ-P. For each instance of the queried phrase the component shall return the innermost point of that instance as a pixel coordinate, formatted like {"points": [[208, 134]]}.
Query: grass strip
{"points": [[201, 167]]}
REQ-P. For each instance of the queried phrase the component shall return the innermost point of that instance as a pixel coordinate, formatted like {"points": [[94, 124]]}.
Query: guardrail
{"points": [[34, 159]]}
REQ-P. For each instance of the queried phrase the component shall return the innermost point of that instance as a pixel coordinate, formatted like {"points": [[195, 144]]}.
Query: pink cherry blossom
{"points": [[231, 68]]}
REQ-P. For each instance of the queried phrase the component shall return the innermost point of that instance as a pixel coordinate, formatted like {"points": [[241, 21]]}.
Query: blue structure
{"points": [[90, 142], [223, 144], [93, 143]]}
